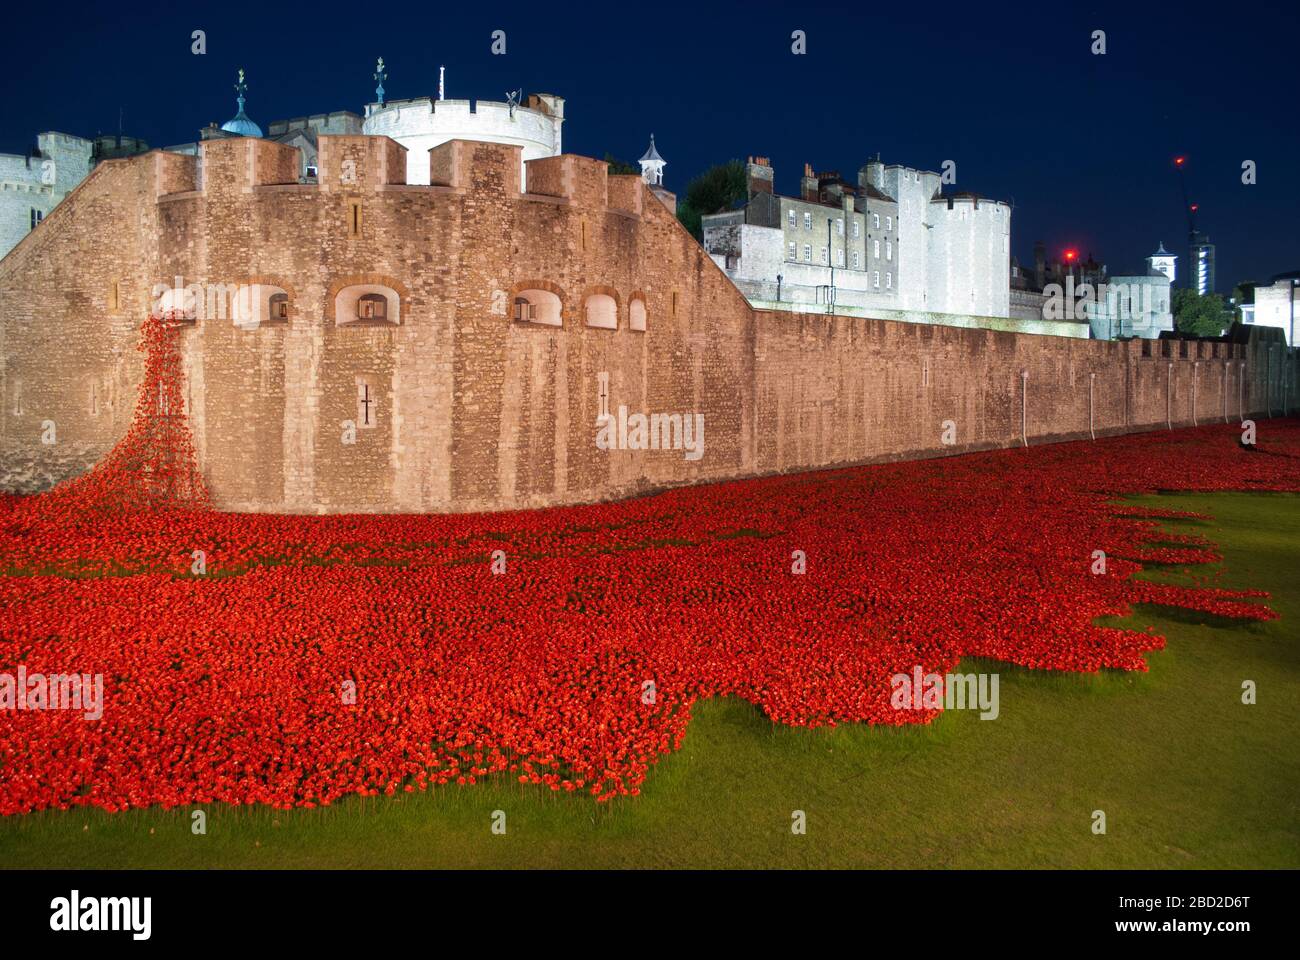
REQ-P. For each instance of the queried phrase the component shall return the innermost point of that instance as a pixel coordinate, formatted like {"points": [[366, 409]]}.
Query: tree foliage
{"points": [[1201, 315], [718, 188], [618, 167]]}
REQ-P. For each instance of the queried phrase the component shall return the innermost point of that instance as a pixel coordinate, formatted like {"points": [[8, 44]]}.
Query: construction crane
{"points": [[1200, 265], [1180, 164]]}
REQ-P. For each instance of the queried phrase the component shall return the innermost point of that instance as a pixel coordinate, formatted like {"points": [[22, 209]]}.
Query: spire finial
{"points": [[241, 88], [380, 77]]}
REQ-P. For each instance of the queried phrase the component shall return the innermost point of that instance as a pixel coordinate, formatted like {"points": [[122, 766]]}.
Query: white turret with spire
{"points": [[1162, 261], [652, 165]]}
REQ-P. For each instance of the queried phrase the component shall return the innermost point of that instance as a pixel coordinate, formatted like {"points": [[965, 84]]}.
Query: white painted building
{"points": [[1137, 305], [1162, 261], [893, 245], [1133, 306], [1276, 306]]}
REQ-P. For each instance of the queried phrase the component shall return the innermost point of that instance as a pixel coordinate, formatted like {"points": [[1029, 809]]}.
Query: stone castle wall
{"points": [[469, 408]]}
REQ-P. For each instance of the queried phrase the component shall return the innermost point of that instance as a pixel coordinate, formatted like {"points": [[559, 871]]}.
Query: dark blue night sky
{"points": [[1082, 143]]}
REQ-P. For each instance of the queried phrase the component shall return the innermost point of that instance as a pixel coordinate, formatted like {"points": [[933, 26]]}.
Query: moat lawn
{"points": [[1187, 775]]}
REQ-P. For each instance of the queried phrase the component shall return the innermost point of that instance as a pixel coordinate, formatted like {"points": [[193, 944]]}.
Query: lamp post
{"points": [[1291, 340], [830, 260], [1069, 256]]}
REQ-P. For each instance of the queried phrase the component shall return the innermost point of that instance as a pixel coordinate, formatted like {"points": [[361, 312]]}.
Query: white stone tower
{"points": [[1162, 261]]}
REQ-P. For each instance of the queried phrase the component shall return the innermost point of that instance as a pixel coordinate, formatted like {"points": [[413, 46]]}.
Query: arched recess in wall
{"points": [[263, 301], [600, 307], [367, 300], [537, 301], [636, 311]]}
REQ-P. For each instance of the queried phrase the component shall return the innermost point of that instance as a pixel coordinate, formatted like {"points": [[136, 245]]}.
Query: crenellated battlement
{"points": [[970, 201], [360, 163]]}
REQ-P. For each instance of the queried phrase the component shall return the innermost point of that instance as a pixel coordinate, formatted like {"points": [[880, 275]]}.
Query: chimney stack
{"points": [[808, 185], [758, 176]]}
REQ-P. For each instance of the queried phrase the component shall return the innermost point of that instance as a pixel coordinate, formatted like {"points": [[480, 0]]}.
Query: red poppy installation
{"points": [[315, 657]]}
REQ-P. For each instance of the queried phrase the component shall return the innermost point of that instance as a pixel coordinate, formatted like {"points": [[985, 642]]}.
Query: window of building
{"points": [[354, 218], [839, 226], [876, 220], [537, 306], [889, 249], [889, 280], [37, 217], [875, 279], [889, 223], [280, 307], [855, 259], [372, 306], [794, 253], [360, 304], [857, 229], [636, 314], [875, 249], [807, 221], [790, 216], [602, 311], [841, 258], [826, 255], [807, 253]]}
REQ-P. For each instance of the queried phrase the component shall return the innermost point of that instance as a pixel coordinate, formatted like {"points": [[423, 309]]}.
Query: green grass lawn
{"points": [[1187, 775]]}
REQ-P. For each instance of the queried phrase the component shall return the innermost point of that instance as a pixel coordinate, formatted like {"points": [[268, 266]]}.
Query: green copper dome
{"points": [[240, 125]]}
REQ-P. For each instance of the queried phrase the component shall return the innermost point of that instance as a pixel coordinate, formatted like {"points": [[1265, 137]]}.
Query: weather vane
{"points": [[380, 77], [241, 88], [512, 99]]}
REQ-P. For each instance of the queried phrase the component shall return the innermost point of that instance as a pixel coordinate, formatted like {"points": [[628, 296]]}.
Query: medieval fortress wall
{"points": [[455, 345]]}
